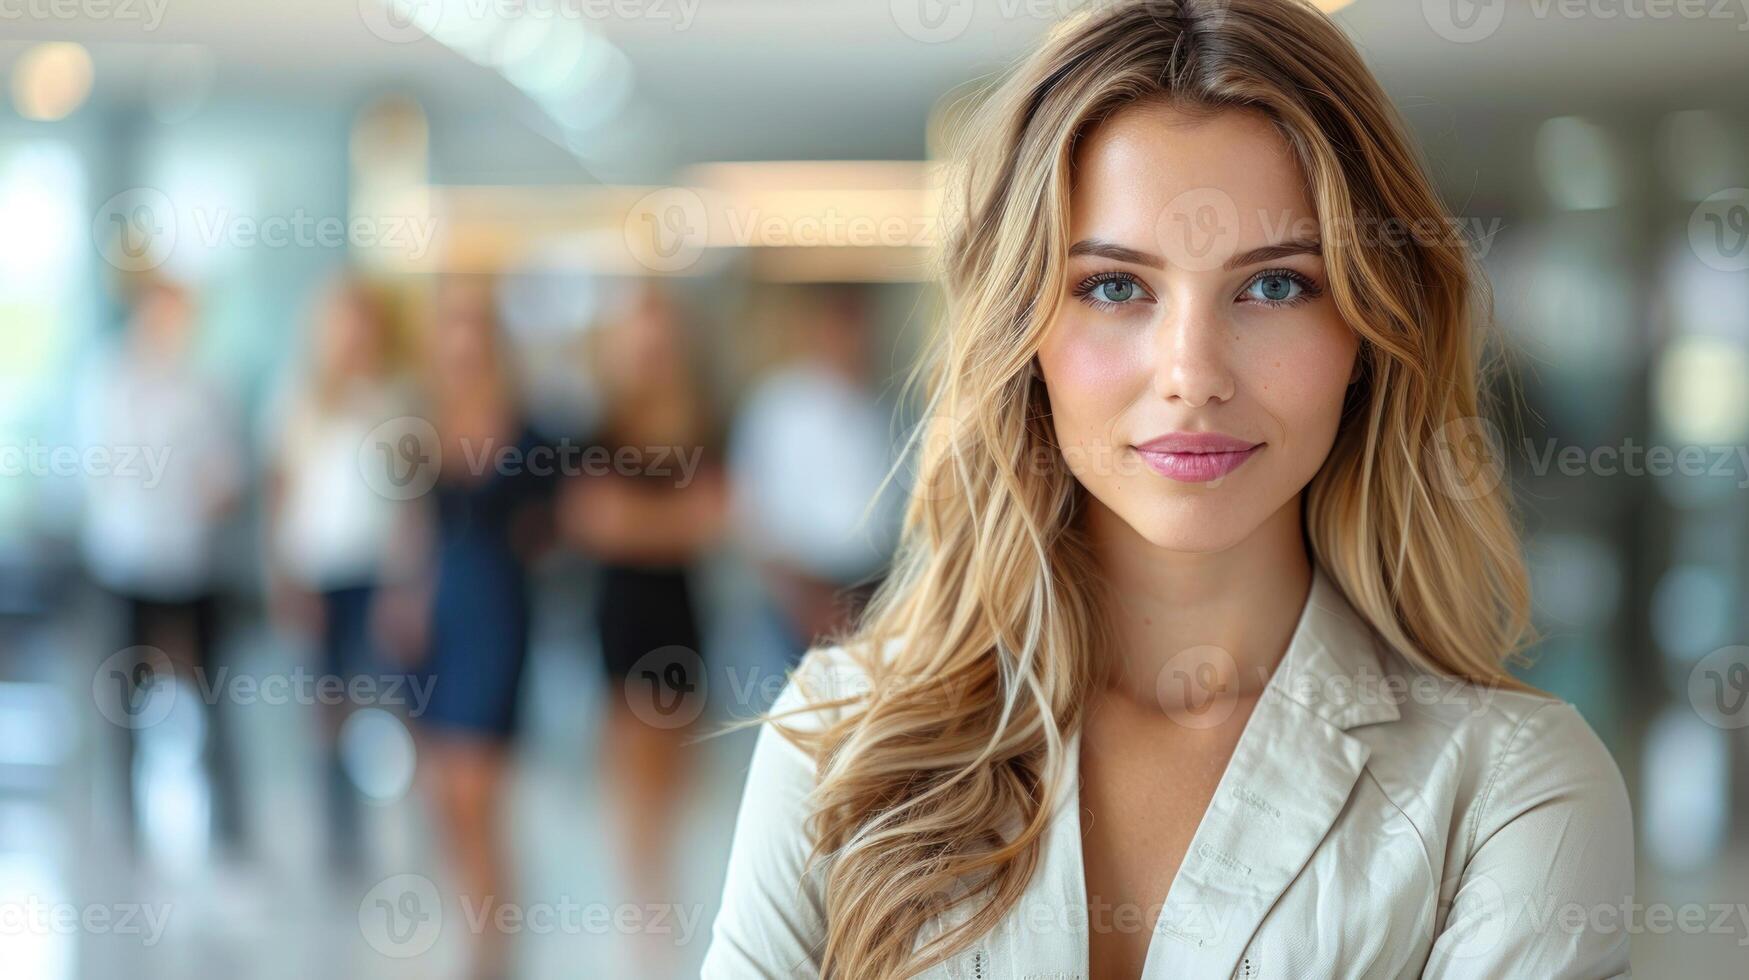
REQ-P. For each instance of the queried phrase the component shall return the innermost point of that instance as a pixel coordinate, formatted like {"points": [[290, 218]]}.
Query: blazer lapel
{"points": [[1291, 774], [1045, 936], [1289, 777]]}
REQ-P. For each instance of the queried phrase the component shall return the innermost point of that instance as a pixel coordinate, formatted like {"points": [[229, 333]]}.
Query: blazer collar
{"points": [[1288, 780], [1332, 665], [1289, 777]]}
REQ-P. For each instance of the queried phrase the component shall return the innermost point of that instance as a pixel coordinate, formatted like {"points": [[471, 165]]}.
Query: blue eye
{"points": [[1109, 289], [1279, 287], [1115, 291]]}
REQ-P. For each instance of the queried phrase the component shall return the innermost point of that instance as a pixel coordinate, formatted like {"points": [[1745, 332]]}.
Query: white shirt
{"points": [[807, 459], [1376, 820], [335, 528], [150, 519]]}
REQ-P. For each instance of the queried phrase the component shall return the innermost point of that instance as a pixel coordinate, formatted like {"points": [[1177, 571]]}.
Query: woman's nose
{"points": [[1193, 356]]}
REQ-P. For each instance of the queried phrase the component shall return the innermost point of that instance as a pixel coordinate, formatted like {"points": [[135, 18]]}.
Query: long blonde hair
{"points": [[938, 779]]}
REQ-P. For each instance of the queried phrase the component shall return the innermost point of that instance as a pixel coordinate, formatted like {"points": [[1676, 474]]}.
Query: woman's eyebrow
{"points": [[1269, 253], [1263, 253], [1117, 253]]}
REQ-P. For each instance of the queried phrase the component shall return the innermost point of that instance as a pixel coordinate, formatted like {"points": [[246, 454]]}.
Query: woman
{"points": [[647, 519], [331, 534], [1192, 661], [487, 510]]}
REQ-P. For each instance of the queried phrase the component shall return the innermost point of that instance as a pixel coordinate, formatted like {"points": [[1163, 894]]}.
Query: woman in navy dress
{"points": [[486, 511]]}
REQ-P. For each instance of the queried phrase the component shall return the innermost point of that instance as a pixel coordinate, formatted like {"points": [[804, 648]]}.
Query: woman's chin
{"points": [[1200, 527]]}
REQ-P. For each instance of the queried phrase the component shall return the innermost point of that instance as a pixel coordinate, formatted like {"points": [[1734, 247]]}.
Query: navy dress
{"points": [[480, 612]]}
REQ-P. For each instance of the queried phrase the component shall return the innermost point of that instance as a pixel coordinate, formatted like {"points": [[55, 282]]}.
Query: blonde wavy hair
{"points": [[936, 781]]}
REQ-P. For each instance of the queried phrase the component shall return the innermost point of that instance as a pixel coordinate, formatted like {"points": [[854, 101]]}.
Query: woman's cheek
{"points": [[1089, 372], [1304, 372]]}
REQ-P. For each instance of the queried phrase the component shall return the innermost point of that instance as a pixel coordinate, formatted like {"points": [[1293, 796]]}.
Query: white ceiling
{"points": [[774, 79]]}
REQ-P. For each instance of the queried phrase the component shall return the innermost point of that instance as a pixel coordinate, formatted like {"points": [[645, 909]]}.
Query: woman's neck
{"points": [[1169, 608]]}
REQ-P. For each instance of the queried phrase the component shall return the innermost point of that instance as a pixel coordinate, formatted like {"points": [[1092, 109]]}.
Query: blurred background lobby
{"points": [[250, 251]]}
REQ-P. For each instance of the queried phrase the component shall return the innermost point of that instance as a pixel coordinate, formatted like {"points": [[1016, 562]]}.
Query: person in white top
{"points": [[331, 528], [152, 535], [150, 531], [331, 532], [809, 458], [1193, 662]]}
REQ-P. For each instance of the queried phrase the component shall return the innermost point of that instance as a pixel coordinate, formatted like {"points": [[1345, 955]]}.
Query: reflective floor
{"points": [[77, 904]]}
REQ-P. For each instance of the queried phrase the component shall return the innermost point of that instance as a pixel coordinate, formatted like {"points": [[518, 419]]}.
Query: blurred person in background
{"points": [[484, 522], [647, 520], [148, 539], [809, 454], [331, 535]]}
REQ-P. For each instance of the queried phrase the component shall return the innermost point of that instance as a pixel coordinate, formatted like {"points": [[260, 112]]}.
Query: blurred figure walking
{"points": [[331, 535], [647, 520], [808, 457], [149, 539], [485, 521]]}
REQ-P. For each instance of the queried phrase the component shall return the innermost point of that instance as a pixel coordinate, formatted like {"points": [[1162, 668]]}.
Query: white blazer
{"points": [[1376, 820]]}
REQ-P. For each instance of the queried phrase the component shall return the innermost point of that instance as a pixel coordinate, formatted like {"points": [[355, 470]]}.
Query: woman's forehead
{"points": [[1147, 161]]}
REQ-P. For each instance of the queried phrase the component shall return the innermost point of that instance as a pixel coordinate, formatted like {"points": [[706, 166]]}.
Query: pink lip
{"points": [[1196, 457]]}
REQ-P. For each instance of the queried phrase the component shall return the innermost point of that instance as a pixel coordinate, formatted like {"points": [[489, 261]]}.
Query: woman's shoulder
{"points": [[1503, 752], [1489, 716], [829, 681], [1516, 797]]}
